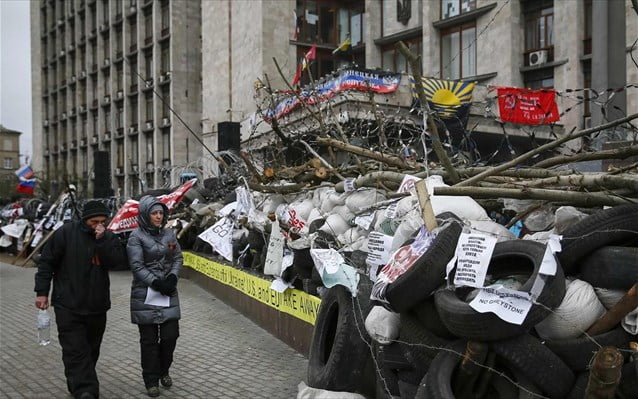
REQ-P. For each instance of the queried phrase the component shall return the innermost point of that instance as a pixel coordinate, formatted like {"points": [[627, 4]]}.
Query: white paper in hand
{"points": [[155, 298]]}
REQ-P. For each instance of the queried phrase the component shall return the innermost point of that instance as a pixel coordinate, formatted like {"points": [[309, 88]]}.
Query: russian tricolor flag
{"points": [[26, 186], [24, 172]]}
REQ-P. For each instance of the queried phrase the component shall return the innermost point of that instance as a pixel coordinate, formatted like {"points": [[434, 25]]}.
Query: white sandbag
{"points": [[462, 206], [306, 392], [330, 200], [405, 205], [271, 203], [301, 209], [315, 214], [492, 228], [609, 297], [210, 209], [363, 199], [411, 222], [335, 225], [344, 212], [382, 325], [566, 216], [349, 236], [319, 195], [578, 311]]}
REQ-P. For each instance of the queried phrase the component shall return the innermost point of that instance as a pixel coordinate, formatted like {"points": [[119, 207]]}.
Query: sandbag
{"points": [[609, 297], [411, 222], [493, 228], [363, 199], [271, 203], [579, 309], [382, 325], [565, 216], [334, 225], [306, 392], [462, 206]]}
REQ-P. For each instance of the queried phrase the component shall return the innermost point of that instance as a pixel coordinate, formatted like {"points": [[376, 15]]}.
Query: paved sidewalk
{"points": [[220, 353]]}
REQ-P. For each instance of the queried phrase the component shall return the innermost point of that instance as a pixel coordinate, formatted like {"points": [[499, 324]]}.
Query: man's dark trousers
{"points": [[80, 337]]}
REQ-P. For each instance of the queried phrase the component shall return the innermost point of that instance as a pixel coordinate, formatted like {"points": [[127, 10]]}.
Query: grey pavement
{"points": [[220, 353]]}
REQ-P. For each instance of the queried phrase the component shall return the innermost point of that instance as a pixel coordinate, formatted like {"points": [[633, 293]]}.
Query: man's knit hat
{"points": [[94, 208]]}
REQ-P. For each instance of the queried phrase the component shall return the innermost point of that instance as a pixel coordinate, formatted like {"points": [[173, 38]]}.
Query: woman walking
{"points": [[156, 261]]}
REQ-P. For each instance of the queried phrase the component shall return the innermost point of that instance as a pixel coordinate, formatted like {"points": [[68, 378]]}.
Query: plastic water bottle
{"points": [[44, 327]]}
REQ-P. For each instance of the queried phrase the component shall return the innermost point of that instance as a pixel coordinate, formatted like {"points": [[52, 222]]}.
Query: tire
{"points": [[426, 274], [338, 353], [578, 389], [577, 353], [509, 258], [611, 267], [437, 383], [302, 263], [527, 355], [428, 315], [607, 227], [421, 344]]}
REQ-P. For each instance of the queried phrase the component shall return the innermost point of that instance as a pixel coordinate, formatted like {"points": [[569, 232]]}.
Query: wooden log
{"points": [[617, 153], [426, 205], [571, 197], [545, 147], [613, 316], [415, 67], [387, 159], [285, 189]]}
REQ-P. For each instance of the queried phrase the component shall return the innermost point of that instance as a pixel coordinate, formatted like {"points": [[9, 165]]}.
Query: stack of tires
{"points": [[437, 322]]}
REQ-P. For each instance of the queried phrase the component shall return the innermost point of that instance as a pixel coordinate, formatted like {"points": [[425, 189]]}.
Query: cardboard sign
{"points": [[348, 185], [328, 260], [408, 183], [509, 305], [364, 221], [274, 256], [220, 237], [379, 246]]}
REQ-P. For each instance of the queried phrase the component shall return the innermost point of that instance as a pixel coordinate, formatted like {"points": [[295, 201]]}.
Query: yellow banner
{"points": [[293, 302]]}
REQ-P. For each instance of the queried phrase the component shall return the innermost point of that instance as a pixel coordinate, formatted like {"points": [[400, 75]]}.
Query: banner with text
{"points": [[293, 302]]}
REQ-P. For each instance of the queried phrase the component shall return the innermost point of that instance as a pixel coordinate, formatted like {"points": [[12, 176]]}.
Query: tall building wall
{"points": [[105, 73]]}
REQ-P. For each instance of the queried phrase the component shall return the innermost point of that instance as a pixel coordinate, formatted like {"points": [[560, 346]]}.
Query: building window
{"points": [[119, 122], [119, 77], [134, 111], [149, 148], [587, 84], [539, 28], [394, 61], [107, 120], [149, 107], [538, 79], [452, 8], [133, 151], [458, 51], [119, 152], [330, 21], [133, 35], [105, 11], [7, 145], [148, 65], [166, 100], [165, 58], [166, 146], [148, 26], [8, 163], [588, 27], [165, 18], [118, 42]]}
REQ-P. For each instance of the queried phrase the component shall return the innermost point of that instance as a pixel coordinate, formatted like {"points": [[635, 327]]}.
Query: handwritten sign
{"points": [[220, 237], [348, 185]]}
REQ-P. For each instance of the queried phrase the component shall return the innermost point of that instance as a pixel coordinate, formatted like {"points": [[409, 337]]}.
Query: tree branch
{"points": [[616, 153]]}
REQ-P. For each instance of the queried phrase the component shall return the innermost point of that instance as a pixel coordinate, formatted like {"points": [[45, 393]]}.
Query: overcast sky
{"points": [[15, 71]]}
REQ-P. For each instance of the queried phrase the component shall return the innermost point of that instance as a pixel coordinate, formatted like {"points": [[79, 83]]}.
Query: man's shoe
{"points": [[166, 381], [153, 392]]}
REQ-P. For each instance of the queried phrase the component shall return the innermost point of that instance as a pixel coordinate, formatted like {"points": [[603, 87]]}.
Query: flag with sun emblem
{"points": [[450, 99]]}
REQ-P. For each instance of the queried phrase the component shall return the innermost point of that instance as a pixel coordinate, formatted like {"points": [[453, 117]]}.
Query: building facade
{"points": [[106, 74], [9, 153], [519, 43]]}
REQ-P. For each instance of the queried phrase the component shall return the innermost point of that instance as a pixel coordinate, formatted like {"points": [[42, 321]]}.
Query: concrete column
{"points": [[608, 57], [372, 31], [568, 45], [431, 61]]}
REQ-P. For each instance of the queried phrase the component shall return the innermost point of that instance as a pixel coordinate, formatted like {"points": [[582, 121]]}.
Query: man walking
{"points": [[77, 258]]}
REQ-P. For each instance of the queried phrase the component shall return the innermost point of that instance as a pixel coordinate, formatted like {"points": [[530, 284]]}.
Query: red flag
{"points": [[295, 80], [26, 186], [530, 107], [312, 53], [126, 218]]}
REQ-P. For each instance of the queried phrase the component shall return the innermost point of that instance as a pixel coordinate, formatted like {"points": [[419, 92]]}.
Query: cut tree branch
{"points": [[571, 197], [524, 157], [413, 60], [389, 160], [616, 153]]}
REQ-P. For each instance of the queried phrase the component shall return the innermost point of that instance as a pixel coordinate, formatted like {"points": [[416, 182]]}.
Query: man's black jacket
{"points": [[78, 265]]}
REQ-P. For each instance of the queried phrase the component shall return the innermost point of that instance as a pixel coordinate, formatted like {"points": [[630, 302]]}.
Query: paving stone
{"points": [[220, 353]]}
